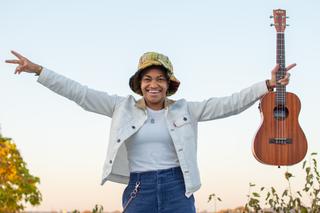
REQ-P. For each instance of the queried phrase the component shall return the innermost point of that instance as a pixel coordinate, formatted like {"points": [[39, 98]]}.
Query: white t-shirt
{"points": [[151, 147]]}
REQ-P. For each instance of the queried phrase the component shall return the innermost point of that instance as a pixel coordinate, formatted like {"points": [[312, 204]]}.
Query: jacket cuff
{"points": [[262, 88], [44, 75]]}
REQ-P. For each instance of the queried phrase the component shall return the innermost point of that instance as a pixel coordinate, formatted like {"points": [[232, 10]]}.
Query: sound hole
{"points": [[280, 112]]}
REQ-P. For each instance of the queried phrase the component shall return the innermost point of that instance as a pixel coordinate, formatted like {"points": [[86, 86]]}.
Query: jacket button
{"points": [[118, 140], [185, 119], [110, 161], [133, 127]]}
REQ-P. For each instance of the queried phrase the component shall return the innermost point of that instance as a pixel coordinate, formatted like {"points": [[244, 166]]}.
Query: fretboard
{"points": [[280, 89]]}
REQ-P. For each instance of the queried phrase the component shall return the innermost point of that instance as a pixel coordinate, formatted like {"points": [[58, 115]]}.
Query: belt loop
{"points": [[172, 172]]}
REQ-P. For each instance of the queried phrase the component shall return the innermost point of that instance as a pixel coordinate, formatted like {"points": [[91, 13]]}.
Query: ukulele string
{"points": [[281, 91], [282, 94], [283, 87]]}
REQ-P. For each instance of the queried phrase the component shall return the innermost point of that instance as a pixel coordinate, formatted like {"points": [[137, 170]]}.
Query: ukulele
{"points": [[280, 139]]}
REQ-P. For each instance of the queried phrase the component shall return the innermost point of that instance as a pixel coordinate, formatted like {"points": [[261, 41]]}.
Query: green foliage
{"points": [[287, 201], [96, 209], [17, 185], [213, 197]]}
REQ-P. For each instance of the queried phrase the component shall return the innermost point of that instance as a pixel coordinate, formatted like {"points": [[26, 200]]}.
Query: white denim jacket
{"points": [[128, 115]]}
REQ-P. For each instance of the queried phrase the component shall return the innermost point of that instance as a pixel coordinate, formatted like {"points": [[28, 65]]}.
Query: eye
{"points": [[146, 80], [162, 79]]}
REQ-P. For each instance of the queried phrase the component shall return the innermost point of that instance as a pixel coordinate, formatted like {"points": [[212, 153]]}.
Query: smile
{"points": [[153, 91]]}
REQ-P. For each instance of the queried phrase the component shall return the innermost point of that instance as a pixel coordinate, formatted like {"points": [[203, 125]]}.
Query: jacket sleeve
{"points": [[89, 99], [220, 107]]}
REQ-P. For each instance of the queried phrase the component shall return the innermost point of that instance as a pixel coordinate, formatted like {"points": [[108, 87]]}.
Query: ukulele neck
{"points": [[280, 89]]}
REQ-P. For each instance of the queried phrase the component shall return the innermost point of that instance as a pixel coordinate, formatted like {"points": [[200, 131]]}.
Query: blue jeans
{"points": [[160, 191]]}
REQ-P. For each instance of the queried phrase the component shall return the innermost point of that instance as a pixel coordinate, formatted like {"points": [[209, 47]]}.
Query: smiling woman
{"points": [[153, 141], [154, 86]]}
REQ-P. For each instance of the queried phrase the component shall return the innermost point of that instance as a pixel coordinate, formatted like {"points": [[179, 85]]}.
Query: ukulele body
{"points": [[280, 139]]}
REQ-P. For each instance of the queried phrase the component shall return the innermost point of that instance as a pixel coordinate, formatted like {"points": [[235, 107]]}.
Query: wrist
{"points": [[270, 86], [38, 70]]}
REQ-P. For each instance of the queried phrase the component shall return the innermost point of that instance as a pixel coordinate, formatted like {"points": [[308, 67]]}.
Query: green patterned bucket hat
{"points": [[149, 59]]}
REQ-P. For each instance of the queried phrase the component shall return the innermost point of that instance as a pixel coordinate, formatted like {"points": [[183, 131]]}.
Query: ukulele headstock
{"points": [[279, 18]]}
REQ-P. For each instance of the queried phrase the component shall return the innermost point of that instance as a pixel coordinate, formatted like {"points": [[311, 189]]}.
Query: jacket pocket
{"points": [[125, 131], [181, 121]]}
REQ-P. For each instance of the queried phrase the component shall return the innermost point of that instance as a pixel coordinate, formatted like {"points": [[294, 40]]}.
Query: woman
{"points": [[153, 141]]}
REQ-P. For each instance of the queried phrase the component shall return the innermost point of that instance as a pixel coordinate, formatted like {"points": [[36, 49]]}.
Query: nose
{"points": [[153, 84]]}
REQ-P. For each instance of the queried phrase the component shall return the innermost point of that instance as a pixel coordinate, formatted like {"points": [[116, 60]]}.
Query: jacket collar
{"points": [[142, 104]]}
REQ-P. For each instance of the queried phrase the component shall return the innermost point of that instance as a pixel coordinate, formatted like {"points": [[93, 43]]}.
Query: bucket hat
{"points": [[150, 59]]}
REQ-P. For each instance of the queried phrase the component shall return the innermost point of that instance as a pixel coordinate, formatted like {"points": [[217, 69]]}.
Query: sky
{"points": [[216, 47]]}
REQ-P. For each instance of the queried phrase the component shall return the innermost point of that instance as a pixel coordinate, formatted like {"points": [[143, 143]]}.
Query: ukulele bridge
{"points": [[280, 141]]}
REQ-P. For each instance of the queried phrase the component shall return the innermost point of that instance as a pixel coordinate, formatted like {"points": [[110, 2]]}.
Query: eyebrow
{"points": [[146, 75]]}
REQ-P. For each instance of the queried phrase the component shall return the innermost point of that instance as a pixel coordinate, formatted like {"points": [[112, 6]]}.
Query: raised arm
{"points": [[89, 99], [220, 107]]}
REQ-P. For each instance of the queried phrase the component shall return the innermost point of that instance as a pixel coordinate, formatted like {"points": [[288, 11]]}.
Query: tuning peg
{"points": [[271, 25], [287, 17], [271, 16], [287, 25]]}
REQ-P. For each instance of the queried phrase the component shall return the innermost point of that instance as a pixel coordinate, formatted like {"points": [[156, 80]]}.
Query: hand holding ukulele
{"points": [[284, 81]]}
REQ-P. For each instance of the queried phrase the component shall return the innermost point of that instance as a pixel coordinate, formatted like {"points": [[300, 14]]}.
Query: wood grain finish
{"points": [[271, 127]]}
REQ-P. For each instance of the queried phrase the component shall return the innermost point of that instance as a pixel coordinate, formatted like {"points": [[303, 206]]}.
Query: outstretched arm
{"points": [[220, 107], [89, 99]]}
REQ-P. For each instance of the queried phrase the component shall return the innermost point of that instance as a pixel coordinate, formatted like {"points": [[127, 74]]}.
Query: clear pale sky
{"points": [[216, 47]]}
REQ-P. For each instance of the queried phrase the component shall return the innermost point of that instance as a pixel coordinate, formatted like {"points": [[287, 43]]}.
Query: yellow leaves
{"points": [[12, 175], [2, 171], [16, 184], [8, 155]]}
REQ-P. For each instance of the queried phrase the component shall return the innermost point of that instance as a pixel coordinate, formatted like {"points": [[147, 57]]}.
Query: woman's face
{"points": [[154, 86]]}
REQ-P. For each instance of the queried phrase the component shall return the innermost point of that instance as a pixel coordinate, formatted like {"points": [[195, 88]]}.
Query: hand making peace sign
{"points": [[24, 64]]}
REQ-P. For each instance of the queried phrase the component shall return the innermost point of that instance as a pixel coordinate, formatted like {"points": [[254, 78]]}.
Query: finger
{"points": [[17, 54], [275, 69], [18, 70], [284, 82], [290, 66], [285, 78], [12, 61]]}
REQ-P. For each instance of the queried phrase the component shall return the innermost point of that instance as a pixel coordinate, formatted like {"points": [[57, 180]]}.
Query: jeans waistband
{"points": [[157, 176]]}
